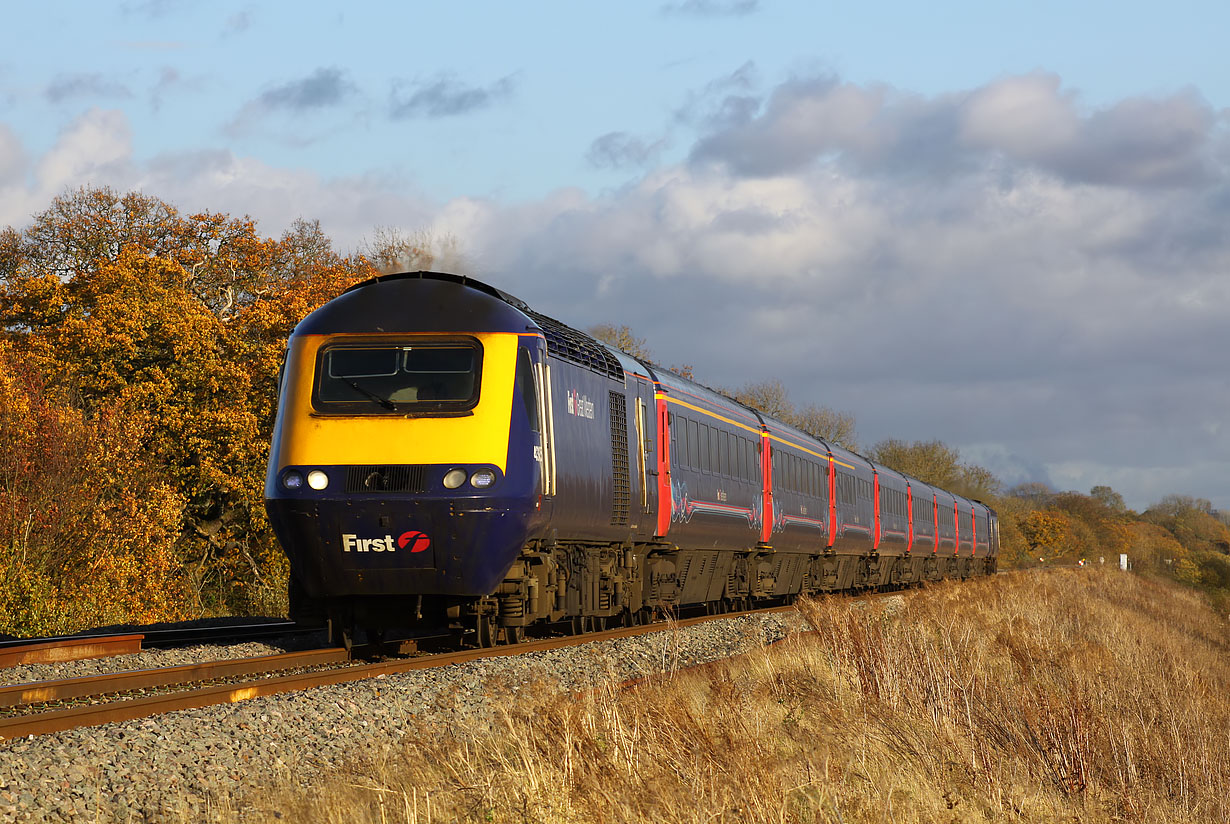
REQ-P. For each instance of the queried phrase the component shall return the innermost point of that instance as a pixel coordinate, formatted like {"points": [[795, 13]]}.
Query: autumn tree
{"points": [[1192, 523], [772, 398], [88, 524], [1046, 533], [769, 396], [1109, 498], [938, 464], [827, 424], [121, 302], [1036, 493], [390, 250], [1107, 524], [623, 339]]}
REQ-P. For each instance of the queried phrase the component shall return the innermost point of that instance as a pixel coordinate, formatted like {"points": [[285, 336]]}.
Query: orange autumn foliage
{"points": [[173, 326], [87, 527]]}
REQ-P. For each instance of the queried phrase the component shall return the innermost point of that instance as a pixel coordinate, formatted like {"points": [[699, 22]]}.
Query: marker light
{"points": [[482, 479], [317, 479], [455, 478], [293, 479]]}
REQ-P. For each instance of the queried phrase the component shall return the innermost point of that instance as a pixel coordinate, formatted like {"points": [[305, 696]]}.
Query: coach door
{"points": [[646, 469], [544, 450]]}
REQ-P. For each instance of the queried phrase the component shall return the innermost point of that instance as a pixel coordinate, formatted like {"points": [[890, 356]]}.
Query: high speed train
{"points": [[444, 456]]}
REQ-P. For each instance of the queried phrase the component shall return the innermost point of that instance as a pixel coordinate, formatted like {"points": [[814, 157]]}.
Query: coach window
{"points": [[679, 440], [525, 385], [693, 444], [845, 494]]}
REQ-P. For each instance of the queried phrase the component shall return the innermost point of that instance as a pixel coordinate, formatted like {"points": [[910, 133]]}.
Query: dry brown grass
{"points": [[1079, 696]]}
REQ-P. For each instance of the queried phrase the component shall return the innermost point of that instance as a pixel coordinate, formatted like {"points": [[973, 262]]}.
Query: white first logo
{"points": [[353, 543]]}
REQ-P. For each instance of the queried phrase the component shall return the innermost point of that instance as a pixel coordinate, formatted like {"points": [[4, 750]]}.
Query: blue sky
{"points": [[533, 85], [1027, 202]]}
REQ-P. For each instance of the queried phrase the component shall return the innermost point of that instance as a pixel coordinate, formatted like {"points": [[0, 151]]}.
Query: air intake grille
{"points": [[375, 479], [570, 345], [621, 493]]}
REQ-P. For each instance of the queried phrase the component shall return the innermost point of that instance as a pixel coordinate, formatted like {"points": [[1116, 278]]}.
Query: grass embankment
{"points": [[1067, 695]]}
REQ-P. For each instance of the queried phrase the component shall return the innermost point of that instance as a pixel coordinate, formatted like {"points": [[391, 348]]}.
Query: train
{"points": [[445, 458]]}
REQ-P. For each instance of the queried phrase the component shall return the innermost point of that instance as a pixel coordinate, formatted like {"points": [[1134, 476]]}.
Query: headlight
{"points": [[482, 479], [317, 479], [292, 479], [454, 478]]}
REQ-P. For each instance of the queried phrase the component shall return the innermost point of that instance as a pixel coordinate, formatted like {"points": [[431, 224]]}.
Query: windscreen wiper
{"points": [[385, 402]]}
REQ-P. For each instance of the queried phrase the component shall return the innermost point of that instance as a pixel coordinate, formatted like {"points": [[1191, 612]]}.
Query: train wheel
{"points": [[484, 631], [341, 635], [514, 635]]}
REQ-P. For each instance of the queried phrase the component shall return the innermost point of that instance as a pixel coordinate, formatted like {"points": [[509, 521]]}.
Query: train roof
{"points": [[413, 301]]}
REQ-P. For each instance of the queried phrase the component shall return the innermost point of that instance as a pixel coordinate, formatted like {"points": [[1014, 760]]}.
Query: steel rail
{"points": [[93, 715], [38, 692], [184, 636], [69, 649], [147, 637]]}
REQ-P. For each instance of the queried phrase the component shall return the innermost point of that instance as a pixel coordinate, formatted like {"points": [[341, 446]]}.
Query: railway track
{"points": [[57, 649], [44, 707]]}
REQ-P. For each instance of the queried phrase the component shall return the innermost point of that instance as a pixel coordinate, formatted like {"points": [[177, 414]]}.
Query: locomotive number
{"points": [[721, 495]]}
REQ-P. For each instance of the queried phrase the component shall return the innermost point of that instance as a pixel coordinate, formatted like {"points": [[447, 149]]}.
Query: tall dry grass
{"points": [[1067, 695]]}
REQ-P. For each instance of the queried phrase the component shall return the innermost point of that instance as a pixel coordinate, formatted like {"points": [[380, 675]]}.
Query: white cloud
{"points": [[96, 145], [1023, 116], [12, 158]]}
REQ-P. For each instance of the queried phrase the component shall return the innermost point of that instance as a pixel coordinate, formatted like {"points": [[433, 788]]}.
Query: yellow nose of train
{"points": [[404, 454]]}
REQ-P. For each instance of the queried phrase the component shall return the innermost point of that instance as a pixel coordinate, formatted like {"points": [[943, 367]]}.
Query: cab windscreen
{"points": [[398, 378]]}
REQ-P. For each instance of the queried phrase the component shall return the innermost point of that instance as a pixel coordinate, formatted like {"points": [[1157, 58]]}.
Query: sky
{"points": [[1002, 225]]}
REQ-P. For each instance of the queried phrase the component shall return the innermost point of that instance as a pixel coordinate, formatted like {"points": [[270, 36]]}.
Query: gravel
{"points": [[181, 766]]}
